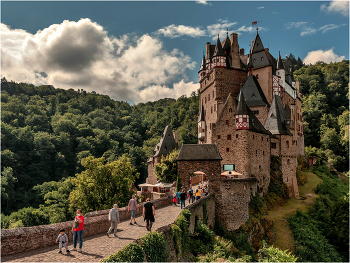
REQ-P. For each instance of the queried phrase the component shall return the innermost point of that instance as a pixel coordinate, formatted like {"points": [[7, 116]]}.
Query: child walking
{"points": [[62, 239]]}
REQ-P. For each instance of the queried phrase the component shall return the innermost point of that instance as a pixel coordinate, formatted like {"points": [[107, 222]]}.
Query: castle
{"points": [[250, 109], [250, 106]]}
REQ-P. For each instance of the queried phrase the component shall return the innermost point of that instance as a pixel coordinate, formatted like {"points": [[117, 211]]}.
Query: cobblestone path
{"points": [[99, 246]]}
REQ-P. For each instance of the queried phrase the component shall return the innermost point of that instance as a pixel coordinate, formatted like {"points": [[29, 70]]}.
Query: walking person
{"points": [[63, 241], [183, 198], [132, 206], [178, 197], [149, 214], [77, 230], [190, 195], [174, 199], [198, 193], [113, 216]]}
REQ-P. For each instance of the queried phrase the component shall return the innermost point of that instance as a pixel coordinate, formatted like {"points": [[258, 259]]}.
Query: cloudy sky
{"points": [[141, 51]]}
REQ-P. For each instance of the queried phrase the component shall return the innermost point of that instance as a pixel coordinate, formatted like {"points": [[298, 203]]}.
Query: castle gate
{"points": [[205, 158]]}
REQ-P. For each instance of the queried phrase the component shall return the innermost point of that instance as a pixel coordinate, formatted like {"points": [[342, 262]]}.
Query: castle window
{"points": [[227, 149], [226, 122], [262, 58], [214, 107], [211, 109], [287, 144], [213, 94], [165, 148], [288, 162], [219, 136], [256, 152], [210, 125], [244, 119], [230, 110], [262, 138], [263, 153], [236, 135], [256, 112], [259, 168], [209, 97], [229, 137], [253, 60], [253, 137], [273, 145], [267, 139], [205, 99]]}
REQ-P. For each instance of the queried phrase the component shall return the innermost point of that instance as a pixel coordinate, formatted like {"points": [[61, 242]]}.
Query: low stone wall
{"points": [[197, 209], [30, 238]]}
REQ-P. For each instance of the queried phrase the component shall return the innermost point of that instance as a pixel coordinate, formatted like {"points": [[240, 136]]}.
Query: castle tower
{"points": [[201, 125], [242, 114], [202, 70], [219, 57], [280, 71]]}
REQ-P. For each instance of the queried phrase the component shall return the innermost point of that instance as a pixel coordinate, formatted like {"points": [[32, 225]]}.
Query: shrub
{"points": [[183, 223], [130, 253], [176, 235], [154, 246], [204, 234], [272, 254]]}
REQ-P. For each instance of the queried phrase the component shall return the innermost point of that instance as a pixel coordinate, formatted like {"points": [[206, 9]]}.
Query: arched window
{"points": [[230, 110]]}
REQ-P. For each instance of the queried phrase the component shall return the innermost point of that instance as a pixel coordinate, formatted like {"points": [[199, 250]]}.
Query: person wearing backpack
{"points": [[77, 230]]}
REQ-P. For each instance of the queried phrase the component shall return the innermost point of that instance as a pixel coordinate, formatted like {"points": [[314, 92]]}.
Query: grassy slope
{"points": [[279, 215]]}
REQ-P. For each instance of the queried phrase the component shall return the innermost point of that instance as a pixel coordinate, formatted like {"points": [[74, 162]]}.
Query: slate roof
{"points": [[277, 118], [279, 61], [166, 144], [218, 49], [241, 106], [192, 152], [254, 124], [203, 63], [253, 94], [257, 45], [226, 45]]}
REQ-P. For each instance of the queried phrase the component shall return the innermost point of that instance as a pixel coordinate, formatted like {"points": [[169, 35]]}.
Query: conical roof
{"points": [[226, 45], [241, 106], [279, 61], [277, 121], [203, 63], [257, 45], [218, 49], [253, 94], [250, 63], [166, 144]]}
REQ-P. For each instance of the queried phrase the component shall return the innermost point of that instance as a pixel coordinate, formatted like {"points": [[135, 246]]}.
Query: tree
{"points": [[102, 185], [167, 169]]}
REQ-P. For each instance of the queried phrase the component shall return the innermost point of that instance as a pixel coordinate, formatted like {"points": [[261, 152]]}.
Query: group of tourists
{"points": [[191, 195], [148, 214]]}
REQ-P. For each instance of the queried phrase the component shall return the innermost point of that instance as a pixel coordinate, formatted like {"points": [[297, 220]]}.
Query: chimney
{"points": [[236, 61], [241, 52], [207, 50]]}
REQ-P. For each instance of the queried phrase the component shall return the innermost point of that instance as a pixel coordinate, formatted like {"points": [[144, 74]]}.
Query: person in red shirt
{"points": [[77, 230]]}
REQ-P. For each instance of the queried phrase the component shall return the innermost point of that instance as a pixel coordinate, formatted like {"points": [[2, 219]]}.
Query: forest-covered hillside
{"points": [[46, 132]]}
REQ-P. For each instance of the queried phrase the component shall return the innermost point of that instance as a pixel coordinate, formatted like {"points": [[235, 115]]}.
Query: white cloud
{"points": [[249, 29], [308, 30], [261, 7], [203, 3], [341, 7], [173, 31], [81, 55], [326, 56], [219, 28]]}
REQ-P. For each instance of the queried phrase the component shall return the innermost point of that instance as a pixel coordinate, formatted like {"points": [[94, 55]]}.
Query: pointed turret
{"points": [[242, 113], [278, 120], [226, 45], [219, 57], [279, 61], [201, 125], [250, 64], [202, 69], [218, 48]]}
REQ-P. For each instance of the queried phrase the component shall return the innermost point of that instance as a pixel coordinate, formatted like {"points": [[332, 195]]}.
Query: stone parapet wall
{"points": [[197, 209], [30, 238]]}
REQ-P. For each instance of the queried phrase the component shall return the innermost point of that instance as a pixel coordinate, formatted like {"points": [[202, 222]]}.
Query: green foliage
{"points": [[183, 223], [102, 185], [272, 254], [222, 251], [205, 213], [154, 246], [257, 206], [46, 132], [130, 253], [321, 234], [25, 217], [202, 232], [176, 235], [167, 169]]}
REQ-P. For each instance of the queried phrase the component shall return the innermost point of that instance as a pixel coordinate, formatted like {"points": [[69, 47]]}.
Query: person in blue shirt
{"points": [[178, 197]]}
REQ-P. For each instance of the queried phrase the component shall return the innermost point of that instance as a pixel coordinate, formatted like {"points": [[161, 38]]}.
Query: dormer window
{"points": [[253, 60], [262, 58]]}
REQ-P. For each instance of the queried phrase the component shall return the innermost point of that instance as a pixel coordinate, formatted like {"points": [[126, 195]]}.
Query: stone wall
{"points": [[30, 238], [235, 199], [197, 209]]}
